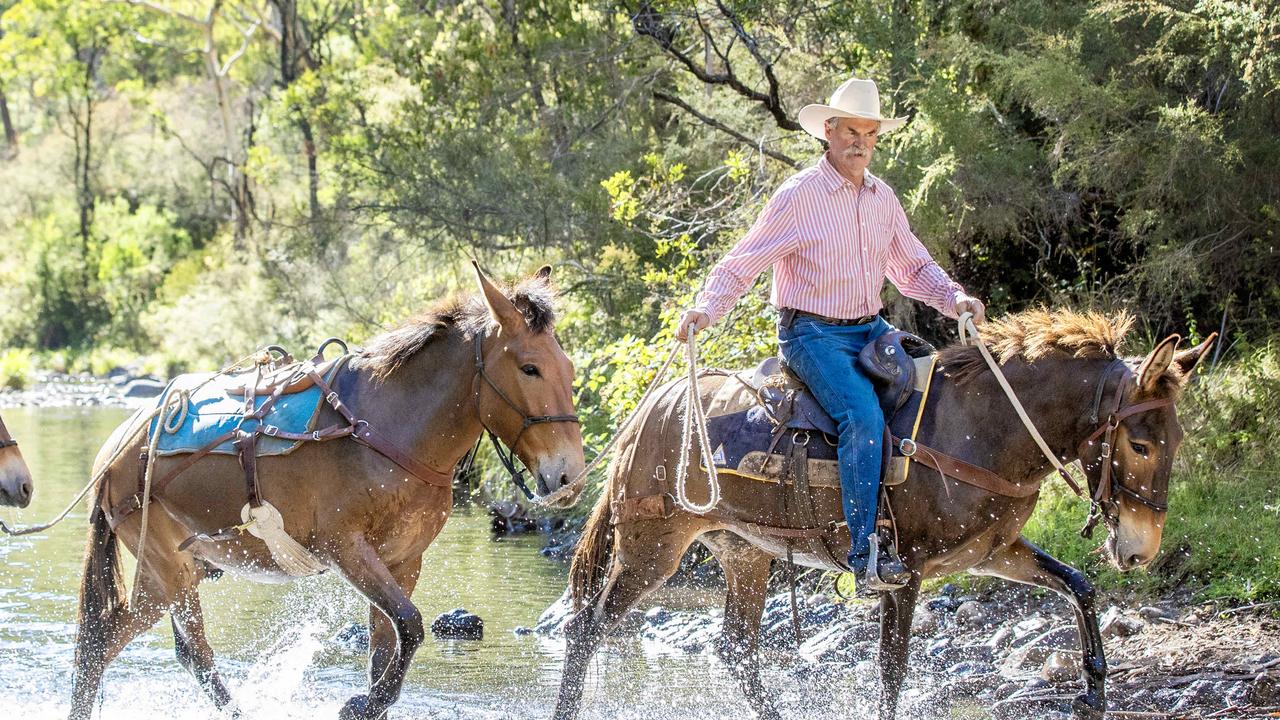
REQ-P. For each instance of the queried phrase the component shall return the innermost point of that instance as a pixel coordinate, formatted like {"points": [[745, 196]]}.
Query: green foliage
{"points": [[15, 368]]}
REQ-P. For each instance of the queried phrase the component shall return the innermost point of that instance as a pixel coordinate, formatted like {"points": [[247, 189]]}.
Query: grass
{"points": [[15, 369]]}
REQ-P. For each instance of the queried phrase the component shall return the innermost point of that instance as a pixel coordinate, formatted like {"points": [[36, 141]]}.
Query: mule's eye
{"points": [[1139, 448], [530, 370]]}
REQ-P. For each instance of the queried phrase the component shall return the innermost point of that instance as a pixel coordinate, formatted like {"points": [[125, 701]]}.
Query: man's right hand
{"points": [[698, 319]]}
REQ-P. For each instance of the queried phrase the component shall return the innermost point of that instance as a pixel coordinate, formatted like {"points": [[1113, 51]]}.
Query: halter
{"points": [[508, 457], [1103, 498], [6, 440]]}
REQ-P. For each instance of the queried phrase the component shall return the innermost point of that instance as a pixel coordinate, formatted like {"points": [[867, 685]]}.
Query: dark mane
{"points": [[1034, 334], [468, 314]]}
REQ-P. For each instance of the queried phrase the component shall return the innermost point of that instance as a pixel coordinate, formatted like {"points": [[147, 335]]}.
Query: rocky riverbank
{"points": [[1014, 655], [119, 389]]}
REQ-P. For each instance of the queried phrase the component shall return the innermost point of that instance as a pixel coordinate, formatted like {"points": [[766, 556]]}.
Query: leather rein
{"points": [[508, 457]]}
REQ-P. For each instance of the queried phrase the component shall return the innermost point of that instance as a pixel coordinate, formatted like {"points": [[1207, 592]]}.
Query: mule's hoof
{"points": [[1088, 706], [359, 708]]}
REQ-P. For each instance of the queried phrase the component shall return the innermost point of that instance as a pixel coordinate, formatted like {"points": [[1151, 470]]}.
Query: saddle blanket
{"points": [[212, 411], [742, 432]]}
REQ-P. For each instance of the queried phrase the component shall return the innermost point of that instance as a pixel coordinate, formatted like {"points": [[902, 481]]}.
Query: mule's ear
{"points": [[1157, 363], [503, 311], [544, 272], [1187, 359]]}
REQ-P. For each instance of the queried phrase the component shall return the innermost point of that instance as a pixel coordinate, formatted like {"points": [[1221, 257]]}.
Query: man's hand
{"points": [[966, 304], [698, 319]]}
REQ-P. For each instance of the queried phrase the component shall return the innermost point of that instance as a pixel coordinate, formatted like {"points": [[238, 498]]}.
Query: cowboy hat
{"points": [[856, 98]]}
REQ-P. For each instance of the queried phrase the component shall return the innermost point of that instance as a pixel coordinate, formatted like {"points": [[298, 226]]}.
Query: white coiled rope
{"points": [[695, 422]]}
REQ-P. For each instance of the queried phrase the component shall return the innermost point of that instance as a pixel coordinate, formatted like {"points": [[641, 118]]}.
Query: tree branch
{"points": [[668, 98]]}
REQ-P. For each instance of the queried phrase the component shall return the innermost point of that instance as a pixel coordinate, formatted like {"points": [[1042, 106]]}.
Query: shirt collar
{"points": [[834, 180]]}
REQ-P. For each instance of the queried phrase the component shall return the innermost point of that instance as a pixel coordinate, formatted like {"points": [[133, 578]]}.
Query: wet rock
{"points": [[939, 648], [1026, 631], [685, 631], [522, 630], [950, 590], [1265, 691], [352, 637], [458, 624], [973, 613], [1034, 653], [553, 619], [1062, 666], [1004, 690], [924, 622], [843, 644], [1152, 614], [1002, 639], [1114, 623], [941, 605], [968, 668], [1210, 693], [143, 388], [657, 615], [818, 615], [975, 653]]}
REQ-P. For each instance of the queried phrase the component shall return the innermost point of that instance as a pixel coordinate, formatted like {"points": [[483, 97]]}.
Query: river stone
{"points": [[1002, 639], [553, 619], [458, 624], [1210, 693], [685, 631], [1114, 624], [1026, 631], [924, 622], [1152, 614], [973, 613], [1034, 653], [968, 668], [353, 637], [143, 388], [657, 615], [1266, 689], [976, 653], [941, 604], [1062, 666]]}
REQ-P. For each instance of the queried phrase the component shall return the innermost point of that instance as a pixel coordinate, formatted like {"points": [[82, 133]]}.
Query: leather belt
{"points": [[787, 315]]}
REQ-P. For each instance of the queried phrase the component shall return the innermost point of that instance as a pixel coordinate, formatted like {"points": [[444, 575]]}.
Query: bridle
{"points": [[6, 440], [508, 457], [1105, 493]]}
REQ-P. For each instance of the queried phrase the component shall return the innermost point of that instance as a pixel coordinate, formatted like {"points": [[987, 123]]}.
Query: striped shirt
{"points": [[831, 246]]}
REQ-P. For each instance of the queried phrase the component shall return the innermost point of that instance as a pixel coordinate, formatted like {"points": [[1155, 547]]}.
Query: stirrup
{"points": [[874, 581]]}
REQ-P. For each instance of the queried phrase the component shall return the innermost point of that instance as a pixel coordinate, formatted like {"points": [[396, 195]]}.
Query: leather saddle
{"points": [[893, 362], [288, 380]]}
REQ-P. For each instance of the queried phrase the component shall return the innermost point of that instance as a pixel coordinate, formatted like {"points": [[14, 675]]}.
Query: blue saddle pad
{"points": [[212, 412]]}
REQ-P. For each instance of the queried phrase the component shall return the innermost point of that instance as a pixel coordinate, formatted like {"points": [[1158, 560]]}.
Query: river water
{"points": [[275, 644]]}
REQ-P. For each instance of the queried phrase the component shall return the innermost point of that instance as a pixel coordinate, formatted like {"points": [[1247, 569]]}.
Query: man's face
{"points": [[851, 142]]}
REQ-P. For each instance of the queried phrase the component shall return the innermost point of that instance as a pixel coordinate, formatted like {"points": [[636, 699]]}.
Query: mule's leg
{"points": [[382, 631], [193, 649], [896, 609], [107, 621], [1025, 563], [646, 554], [746, 573], [361, 566]]}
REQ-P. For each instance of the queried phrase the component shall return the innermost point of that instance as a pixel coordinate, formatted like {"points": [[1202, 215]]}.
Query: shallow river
{"points": [[276, 647]]}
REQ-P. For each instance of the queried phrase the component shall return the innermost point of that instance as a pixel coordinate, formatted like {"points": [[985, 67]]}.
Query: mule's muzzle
{"points": [[16, 490], [554, 476]]}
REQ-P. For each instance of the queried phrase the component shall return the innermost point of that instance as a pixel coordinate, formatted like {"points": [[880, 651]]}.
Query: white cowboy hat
{"points": [[856, 98]]}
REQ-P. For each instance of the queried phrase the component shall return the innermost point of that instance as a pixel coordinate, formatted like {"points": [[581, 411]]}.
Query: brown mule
{"points": [[1056, 362], [15, 479], [421, 387]]}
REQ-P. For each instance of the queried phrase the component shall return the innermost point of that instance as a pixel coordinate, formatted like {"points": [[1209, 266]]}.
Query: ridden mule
{"points": [[15, 478], [1063, 367], [428, 389]]}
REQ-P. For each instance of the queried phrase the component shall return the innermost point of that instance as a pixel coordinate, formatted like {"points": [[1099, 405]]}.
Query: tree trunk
{"points": [[295, 52], [10, 132]]}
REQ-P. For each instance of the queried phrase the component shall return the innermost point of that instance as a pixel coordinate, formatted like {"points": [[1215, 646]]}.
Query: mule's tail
{"points": [[101, 590], [591, 560]]}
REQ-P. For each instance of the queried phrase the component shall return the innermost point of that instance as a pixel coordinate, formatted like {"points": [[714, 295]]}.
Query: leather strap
{"points": [[968, 473]]}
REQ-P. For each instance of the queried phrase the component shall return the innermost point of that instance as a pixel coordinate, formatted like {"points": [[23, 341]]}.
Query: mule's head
{"points": [[527, 400], [1141, 455], [15, 479]]}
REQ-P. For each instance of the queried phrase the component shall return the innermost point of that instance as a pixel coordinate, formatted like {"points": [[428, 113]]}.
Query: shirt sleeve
{"points": [[914, 272], [773, 236]]}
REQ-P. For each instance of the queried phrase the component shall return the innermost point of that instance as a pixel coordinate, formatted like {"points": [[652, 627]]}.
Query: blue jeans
{"points": [[825, 356]]}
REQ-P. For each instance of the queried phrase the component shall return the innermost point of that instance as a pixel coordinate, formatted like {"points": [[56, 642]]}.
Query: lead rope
{"points": [[969, 336], [695, 420]]}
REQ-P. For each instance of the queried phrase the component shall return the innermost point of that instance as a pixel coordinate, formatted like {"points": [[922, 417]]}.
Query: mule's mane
{"points": [[468, 314], [1033, 334]]}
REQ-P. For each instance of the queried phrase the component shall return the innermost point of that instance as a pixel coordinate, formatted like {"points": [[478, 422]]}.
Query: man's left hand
{"points": [[966, 304]]}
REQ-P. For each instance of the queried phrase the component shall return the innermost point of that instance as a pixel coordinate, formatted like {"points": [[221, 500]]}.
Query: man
{"points": [[833, 232]]}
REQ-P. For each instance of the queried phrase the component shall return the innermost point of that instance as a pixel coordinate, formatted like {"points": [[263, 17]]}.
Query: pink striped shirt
{"points": [[831, 247]]}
